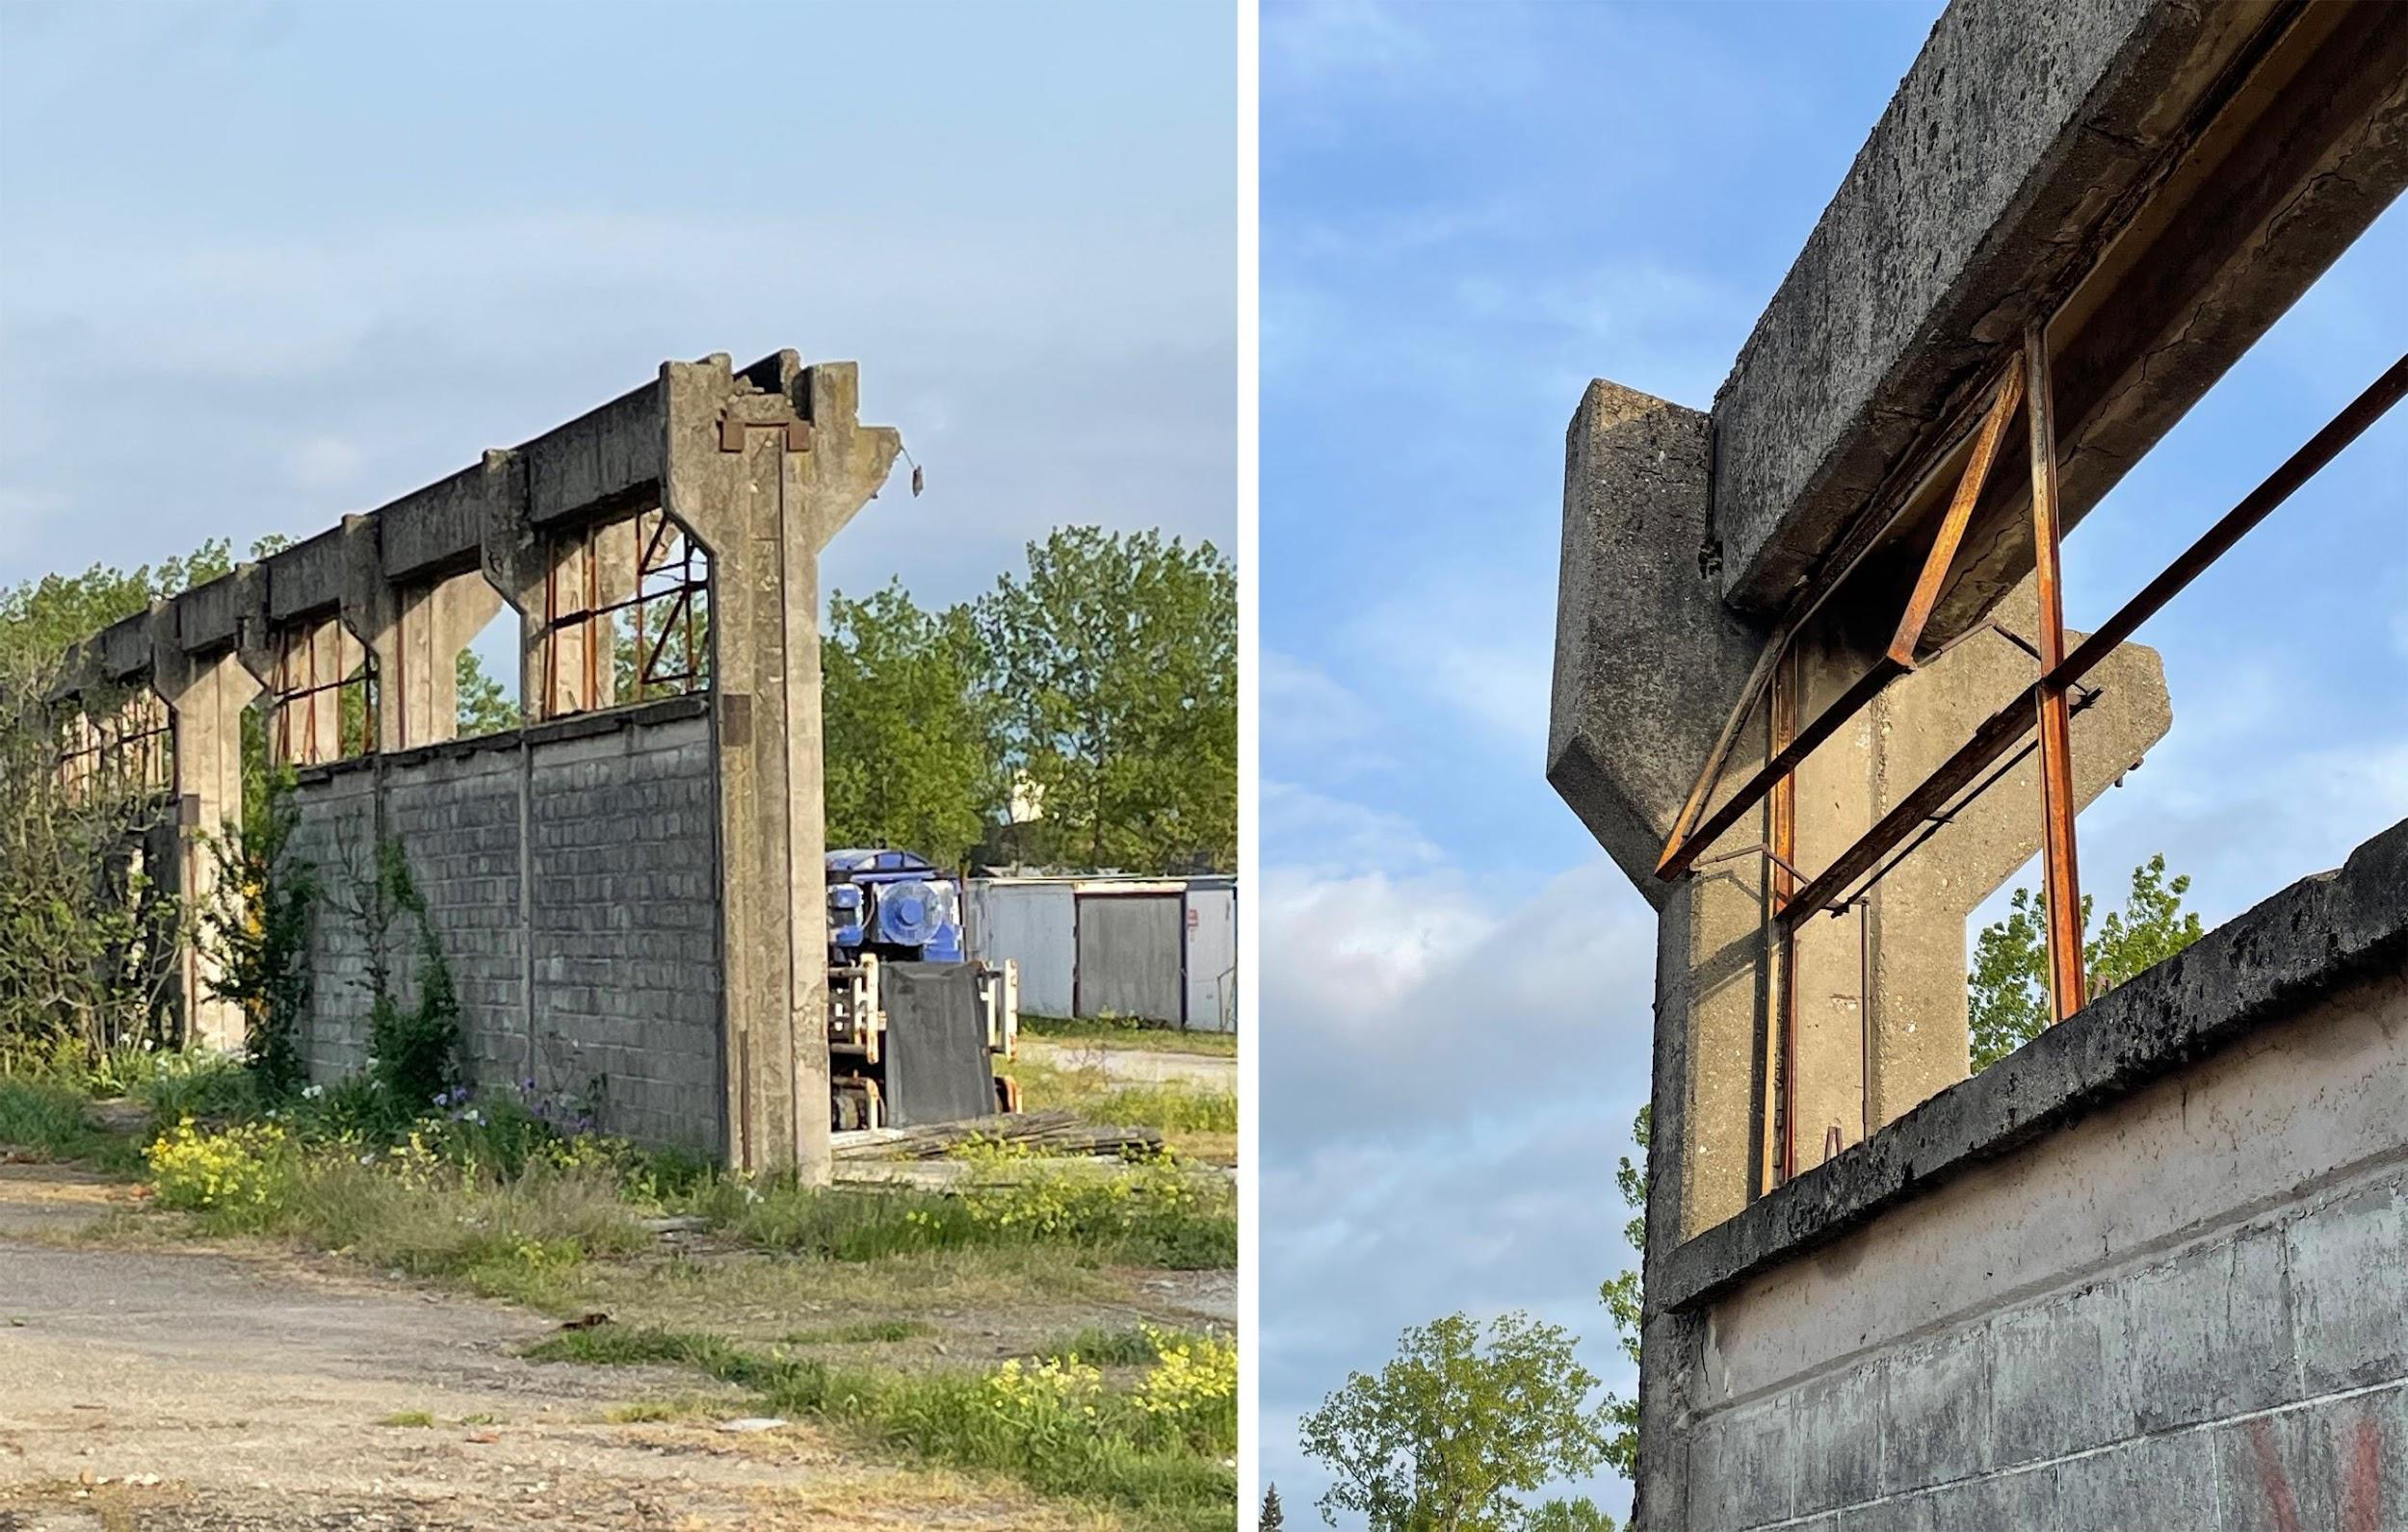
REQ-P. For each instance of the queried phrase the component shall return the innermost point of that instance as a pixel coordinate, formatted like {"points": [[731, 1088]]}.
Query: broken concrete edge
{"points": [[2313, 938], [570, 726]]}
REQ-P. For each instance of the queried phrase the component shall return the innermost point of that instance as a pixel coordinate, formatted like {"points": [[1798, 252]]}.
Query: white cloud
{"points": [[322, 462], [1308, 711]]}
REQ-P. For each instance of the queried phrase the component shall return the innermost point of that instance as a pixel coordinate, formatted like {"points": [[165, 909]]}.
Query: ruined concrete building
{"points": [[628, 890], [1812, 693]]}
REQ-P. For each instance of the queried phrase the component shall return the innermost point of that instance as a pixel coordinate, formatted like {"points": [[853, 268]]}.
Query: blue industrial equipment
{"points": [[927, 1058]]}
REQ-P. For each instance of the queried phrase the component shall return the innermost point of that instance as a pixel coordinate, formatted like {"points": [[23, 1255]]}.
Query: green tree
{"points": [[1114, 664], [2010, 981], [481, 705], [911, 760], [1569, 1515], [1622, 1297], [1452, 1433], [88, 931], [1273, 1518]]}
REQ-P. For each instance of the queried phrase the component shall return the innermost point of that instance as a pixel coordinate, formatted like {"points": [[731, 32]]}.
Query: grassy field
{"points": [[1122, 1033], [951, 1329], [1198, 1124]]}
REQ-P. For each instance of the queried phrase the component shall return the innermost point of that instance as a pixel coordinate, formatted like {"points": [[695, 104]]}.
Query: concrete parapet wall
{"points": [[2152, 1271], [571, 874]]}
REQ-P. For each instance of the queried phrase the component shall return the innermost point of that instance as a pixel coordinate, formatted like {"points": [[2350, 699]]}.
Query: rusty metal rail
{"points": [[1690, 838], [2005, 728]]}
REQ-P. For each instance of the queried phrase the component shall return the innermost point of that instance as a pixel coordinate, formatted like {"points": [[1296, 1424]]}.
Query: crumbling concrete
{"points": [[643, 894]]}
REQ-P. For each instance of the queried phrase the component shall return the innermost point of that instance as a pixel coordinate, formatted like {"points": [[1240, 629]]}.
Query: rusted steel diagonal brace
{"points": [[1690, 838], [2005, 728]]}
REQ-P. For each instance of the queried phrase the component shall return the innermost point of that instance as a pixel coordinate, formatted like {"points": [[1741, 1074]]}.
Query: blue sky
{"points": [[1468, 211], [265, 263]]}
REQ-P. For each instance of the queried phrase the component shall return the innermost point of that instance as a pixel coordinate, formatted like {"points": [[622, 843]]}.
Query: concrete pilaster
{"points": [[765, 468], [205, 695]]}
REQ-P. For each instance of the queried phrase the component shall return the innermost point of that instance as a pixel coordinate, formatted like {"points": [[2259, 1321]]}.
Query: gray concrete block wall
{"points": [[333, 840], [614, 939], [625, 927], [2247, 1368], [2254, 1378]]}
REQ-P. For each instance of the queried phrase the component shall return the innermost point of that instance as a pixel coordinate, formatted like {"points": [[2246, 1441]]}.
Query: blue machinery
{"points": [[888, 908]]}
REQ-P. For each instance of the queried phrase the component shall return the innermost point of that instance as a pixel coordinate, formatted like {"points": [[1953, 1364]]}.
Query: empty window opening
{"points": [[323, 699], [627, 616]]}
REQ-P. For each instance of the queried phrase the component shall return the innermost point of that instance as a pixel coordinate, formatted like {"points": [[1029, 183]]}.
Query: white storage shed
{"points": [[1164, 950]]}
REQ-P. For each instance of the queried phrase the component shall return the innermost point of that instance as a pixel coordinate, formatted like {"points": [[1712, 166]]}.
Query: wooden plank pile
{"points": [[1057, 1132]]}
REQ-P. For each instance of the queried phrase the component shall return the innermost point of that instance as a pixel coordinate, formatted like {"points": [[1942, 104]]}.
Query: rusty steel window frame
{"points": [[299, 686], [132, 744], [2045, 707], [672, 573]]}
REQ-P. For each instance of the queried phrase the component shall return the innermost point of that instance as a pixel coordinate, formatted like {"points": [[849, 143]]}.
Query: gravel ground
{"points": [[153, 1390]]}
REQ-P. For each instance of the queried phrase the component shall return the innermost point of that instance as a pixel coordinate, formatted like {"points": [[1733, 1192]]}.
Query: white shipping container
{"points": [[1161, 949]]}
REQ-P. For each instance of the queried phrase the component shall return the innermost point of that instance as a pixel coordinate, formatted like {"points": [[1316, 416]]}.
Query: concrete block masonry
{"points": [[604, 980], [2151, 1272], [610, 884]]}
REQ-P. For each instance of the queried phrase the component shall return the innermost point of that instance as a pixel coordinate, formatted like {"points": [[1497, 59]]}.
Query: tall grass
{"points": [[1056, 1428]]}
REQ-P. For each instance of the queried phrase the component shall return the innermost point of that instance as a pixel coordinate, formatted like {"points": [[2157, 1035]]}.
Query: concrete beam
{"points": [[2176, 174]]}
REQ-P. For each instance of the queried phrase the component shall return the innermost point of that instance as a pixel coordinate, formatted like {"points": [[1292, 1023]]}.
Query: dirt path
{"points": [[1139, 1066], [148, 1390]]}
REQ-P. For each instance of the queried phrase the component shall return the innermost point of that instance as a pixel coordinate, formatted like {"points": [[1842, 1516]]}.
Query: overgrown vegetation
{"points": [[1198, 1122], [1159, 1449], [413, 1039], [257, 927], [1129, 1031]]}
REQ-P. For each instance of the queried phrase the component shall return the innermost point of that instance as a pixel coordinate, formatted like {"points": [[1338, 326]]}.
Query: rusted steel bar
{"points": [[1785, 761], [1690, 840], [2236, 524], [1784, 868], [1960, 514], [1861, 540], [2059, 848], [2005, 728]]}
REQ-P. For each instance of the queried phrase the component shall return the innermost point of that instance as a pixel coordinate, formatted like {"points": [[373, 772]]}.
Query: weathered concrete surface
{"points": [[206, 697], [761, 467], [2152, 1270], [801, 467], [2293, 948], [572, 877], [1648, 660], [2026, 141]]}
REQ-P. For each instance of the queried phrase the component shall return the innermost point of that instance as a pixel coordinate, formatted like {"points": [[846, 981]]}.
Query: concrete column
{"points": [[765, 468], [205, 695]]}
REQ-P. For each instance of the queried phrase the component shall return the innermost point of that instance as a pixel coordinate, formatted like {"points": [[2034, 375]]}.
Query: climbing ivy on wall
{"points": [[258, 930]]}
